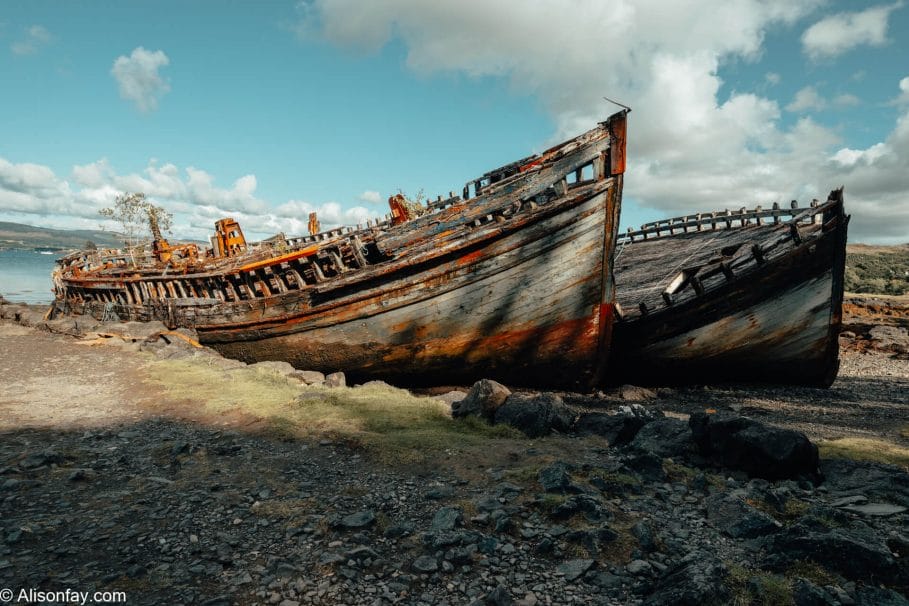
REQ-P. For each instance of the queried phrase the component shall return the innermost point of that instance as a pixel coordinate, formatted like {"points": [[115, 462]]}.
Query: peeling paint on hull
{"points": [[773, 320], [523, 312]]}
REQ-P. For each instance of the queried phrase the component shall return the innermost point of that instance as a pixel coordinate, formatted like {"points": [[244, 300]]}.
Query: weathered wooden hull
{"points": [[774, 320], [532, 307], [514, 284]]}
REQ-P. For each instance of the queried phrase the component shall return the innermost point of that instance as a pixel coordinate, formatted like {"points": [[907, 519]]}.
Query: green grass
{"points": [[792, 510], [391, 422], [812, 571], [865, 449], [877, 270], [776, 589]]}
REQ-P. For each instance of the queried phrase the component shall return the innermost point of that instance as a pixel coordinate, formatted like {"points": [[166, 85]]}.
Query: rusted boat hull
{"points": [[529, 308], [774, 319], [514, 284]]}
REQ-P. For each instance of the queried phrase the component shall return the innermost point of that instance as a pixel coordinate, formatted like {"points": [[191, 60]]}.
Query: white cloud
{"points": [[806, 98], [851, 157], [35, 38], [138, 78], [846, 100], [370, 196], [31, 193], [904, 91], [839, 33], [689, 149], [772, 78]]}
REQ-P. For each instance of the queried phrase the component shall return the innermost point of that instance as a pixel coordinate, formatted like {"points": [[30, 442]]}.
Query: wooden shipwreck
{"points": [[512, 280], [753, 295]]}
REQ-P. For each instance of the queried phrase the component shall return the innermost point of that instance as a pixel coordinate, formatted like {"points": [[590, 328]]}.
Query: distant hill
{"points": [[880, 270], [18, 235]]}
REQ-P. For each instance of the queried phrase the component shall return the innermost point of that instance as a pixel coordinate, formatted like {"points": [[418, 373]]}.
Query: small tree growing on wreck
{"points": [[138, 218]]}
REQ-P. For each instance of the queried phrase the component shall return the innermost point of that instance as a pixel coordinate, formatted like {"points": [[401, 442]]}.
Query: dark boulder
{"points": [[876, 480], [856, 555], [806, 593], [646, 465], [574, 569], [618, 429], [760, 450], [666, 437], [878, 596], [535, 414], [556, 478], [482, 400], [698, 579], [736, 518], [590, 506]]}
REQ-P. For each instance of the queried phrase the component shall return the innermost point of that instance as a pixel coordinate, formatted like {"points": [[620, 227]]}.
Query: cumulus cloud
{"points": [[904, 91], [138, 77], [839, 33], [34, 38], [846, 100], [807, 98], [32, 192], [370, 196], [689, 148]]}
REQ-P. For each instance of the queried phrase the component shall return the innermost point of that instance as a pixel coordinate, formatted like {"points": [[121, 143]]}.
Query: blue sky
{"points": [[268, 110]]}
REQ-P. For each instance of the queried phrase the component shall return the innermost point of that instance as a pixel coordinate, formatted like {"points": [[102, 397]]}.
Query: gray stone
{"points": [[644, 534], [360, 519], [308, 377], [759, 450], [425, 564], [581, 504], [856, 555], [437, 493], [536, 415], [446, 518], [878, 596], [498, 597], [738, 519], [806, 593], [850, 500], [574, 569], [336, 379], [875, 509], [699, 578], [632, 393], [555, 477], [875, 480], [889, 338], [618, 429], [483, 399], [638, 567], [665, 437]]}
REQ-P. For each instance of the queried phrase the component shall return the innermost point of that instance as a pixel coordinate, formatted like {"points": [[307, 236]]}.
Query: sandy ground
{"points": [[56, 381]]}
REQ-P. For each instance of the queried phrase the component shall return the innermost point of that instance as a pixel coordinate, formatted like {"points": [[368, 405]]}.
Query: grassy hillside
{"points": [[877, 269], [17, 235]]}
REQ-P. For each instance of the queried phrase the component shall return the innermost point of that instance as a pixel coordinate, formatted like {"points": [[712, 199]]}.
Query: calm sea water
{"points": [[25, 276]]}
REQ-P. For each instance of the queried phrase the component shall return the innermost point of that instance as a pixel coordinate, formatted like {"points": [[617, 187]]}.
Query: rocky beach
{"points": [[134, 460]]}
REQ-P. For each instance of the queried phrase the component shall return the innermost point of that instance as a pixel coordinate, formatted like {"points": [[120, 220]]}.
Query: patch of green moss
{"points": [[865, 449], [758, 588]]}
